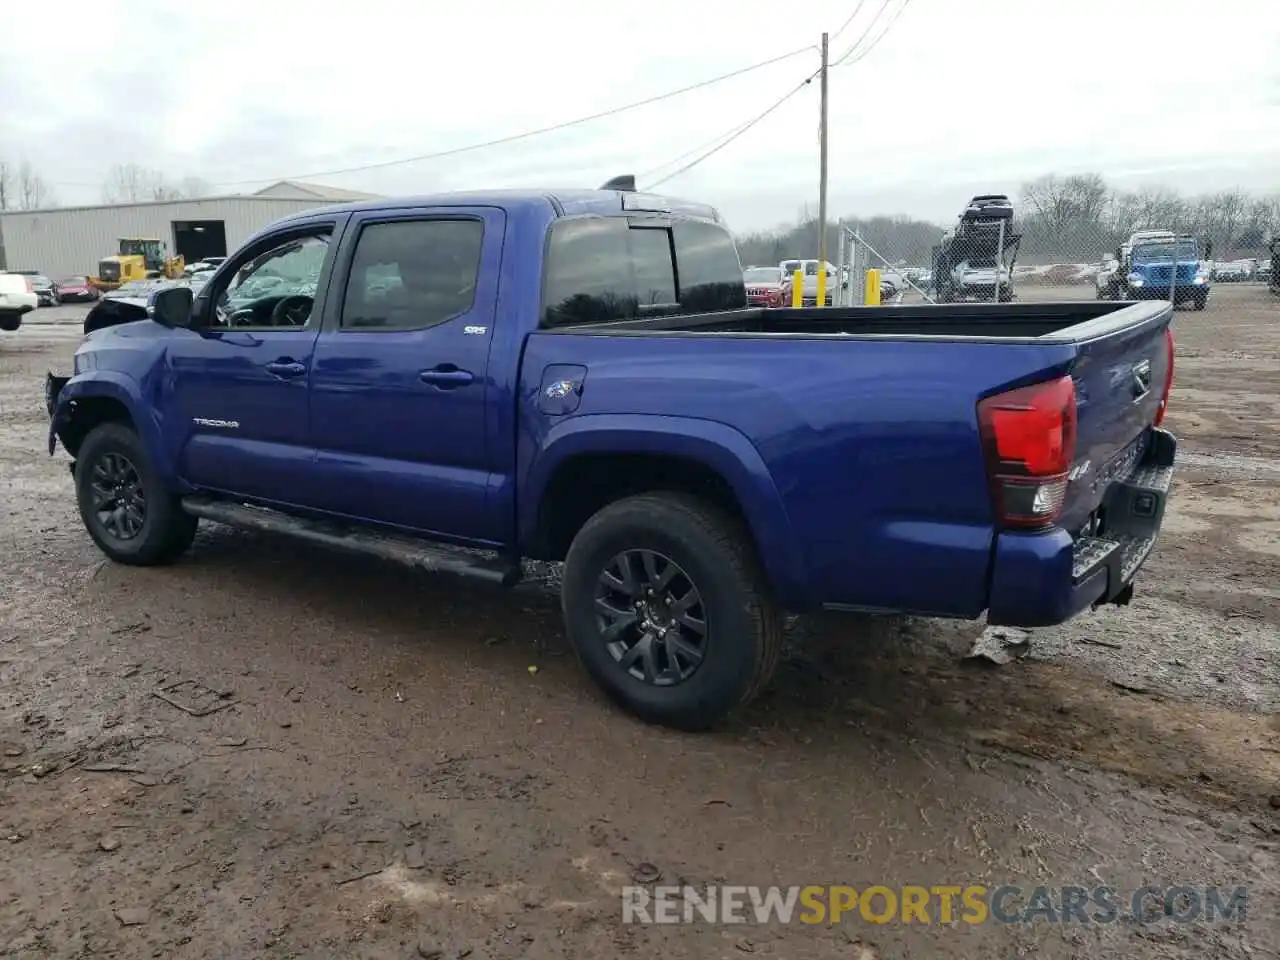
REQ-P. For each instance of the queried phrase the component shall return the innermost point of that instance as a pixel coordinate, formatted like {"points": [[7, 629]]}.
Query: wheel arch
{"points": [[586, 462], [88, 400]]}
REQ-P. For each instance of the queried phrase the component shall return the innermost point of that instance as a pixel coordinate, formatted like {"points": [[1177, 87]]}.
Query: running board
{"points": [[356, 539]]}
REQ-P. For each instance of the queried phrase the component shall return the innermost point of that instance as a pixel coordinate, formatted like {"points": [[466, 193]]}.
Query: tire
{"points": [[1200, 302], [741, 634], [113, 452]]}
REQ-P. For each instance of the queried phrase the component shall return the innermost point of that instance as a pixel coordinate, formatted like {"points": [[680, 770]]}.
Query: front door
{"points": [[238, 415], [401, 378]]}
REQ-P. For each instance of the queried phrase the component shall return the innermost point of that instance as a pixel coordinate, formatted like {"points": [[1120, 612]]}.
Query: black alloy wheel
{"points": [[651, 617], [119, 498]]}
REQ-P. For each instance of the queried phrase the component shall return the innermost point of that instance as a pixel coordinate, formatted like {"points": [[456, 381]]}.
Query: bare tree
{"points": [[6, 184], [33, 190], [1262, 221], [195, 187], [1067, 212], [133, 183]]}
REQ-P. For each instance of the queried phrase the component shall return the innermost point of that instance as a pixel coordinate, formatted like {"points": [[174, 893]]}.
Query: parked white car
{"points": [[810, 268], [17, 296]]}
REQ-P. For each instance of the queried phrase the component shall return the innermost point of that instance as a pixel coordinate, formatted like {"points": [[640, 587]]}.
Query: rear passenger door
{"points": [[400, 380]]}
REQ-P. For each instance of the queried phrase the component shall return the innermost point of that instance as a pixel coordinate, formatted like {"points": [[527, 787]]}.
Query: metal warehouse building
{"points": [[66, 241]]}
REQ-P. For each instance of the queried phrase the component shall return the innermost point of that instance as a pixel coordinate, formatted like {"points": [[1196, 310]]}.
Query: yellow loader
{"points": [[140, 258]]}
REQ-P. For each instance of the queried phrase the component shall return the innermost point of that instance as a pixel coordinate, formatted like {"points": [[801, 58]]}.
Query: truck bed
{"points": [[873, 447], [1055, 322]]}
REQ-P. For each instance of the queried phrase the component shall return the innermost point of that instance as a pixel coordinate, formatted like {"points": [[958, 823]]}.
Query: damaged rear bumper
{"points": [[1044, 579]]}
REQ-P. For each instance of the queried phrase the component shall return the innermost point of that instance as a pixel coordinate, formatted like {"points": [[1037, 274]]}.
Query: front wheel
{"points": [[128, 512], [667, 608], [1200, 302]]}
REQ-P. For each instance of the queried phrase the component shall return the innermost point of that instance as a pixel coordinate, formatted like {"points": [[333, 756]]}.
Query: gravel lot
{"points": [[386, 775]]}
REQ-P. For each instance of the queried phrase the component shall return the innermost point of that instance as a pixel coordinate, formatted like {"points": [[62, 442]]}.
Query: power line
{"points": [[884, 5], [852, 17], [690, 152], [529, 133], [736, 133], [887, 27]]}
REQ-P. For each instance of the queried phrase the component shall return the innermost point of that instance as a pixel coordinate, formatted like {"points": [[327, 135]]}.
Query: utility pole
{"points": [[822, 166]]}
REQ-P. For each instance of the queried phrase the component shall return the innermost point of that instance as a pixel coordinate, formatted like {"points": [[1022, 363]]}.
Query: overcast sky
{"points": [[960, 96]]}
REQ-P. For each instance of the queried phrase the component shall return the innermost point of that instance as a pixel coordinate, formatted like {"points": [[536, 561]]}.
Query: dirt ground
{"points": [[384, 774]]}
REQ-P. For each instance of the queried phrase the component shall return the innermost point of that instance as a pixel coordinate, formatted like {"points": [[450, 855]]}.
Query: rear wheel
{"points": [[128, 512], [667, 608]]}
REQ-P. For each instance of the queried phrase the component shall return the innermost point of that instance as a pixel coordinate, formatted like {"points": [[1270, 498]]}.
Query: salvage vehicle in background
{"points": [[764, 286], [975, 259], [575, 376], [1156, 267], [809, 294], [75, 290], [43, 288], [1232, 271], [17, 298]]}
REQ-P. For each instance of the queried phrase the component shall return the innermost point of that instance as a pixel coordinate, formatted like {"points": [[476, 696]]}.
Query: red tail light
{"points": [[1168, 380], [31, 287], [1029, 436]]}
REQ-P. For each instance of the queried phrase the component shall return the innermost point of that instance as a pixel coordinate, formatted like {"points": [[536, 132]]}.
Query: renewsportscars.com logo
{"points": [[943, 904]]}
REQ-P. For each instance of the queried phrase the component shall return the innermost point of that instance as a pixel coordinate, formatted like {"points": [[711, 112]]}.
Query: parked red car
{"points": [[74, 290], [764, 286]]}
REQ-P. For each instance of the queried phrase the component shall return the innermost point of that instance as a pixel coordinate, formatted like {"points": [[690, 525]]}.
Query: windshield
{"points": [[40, 281], [72, 282], [134, 285], [1149, 252], [762, 275]]}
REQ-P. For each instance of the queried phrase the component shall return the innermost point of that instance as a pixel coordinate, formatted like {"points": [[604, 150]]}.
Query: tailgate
{"points": [[1120, 380]]}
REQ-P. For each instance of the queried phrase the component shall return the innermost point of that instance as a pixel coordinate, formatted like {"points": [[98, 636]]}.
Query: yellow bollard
{"points": [[821, 299], [797, 289], [872, 296]]}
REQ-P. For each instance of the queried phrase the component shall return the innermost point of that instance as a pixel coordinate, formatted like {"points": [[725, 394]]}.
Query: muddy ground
{"points": [[384, 774]]}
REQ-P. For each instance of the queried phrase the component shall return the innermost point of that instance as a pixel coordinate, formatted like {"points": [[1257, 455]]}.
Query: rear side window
{"points": [[412, 274], [604, 269], [710, 271]]}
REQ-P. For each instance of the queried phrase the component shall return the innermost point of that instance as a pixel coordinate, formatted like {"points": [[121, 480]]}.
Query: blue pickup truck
{"points": [[471, 380]]}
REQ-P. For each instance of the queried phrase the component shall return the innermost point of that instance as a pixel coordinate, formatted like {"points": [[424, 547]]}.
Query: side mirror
{"points": [[172, 307]]}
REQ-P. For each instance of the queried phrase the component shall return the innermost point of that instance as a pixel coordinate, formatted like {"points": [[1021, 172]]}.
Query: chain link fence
{"points": [[1053, 239]]}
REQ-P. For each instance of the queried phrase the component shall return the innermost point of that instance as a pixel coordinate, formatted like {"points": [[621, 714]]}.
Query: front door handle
{"points": [[446, 377], [286, 369]]}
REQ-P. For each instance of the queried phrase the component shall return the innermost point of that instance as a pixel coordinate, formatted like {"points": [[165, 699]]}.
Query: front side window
{"points": [[276, 288], [412, 274]]}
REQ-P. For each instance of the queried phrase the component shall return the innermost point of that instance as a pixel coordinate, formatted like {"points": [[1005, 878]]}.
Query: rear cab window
{"points": [[604, 269]]}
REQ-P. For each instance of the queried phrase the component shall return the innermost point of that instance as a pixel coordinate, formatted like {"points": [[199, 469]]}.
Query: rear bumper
{"points": [[1042, 579]]}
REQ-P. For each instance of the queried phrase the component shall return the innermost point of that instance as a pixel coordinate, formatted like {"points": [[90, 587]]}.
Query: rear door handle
{"points": [[446, 377], [286, 369]]}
